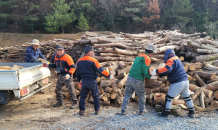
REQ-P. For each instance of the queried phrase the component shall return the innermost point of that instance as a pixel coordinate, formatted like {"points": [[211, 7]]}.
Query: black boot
{"points": [[123, 112], [164, 114], [58, 104], [191, 113], [74, 105]]}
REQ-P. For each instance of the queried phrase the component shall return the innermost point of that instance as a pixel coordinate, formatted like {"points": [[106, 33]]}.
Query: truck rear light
{"points": [[24, 91]]}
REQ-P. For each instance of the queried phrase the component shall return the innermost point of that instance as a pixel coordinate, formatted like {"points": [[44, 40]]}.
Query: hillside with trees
{"points": [[132, 16]]}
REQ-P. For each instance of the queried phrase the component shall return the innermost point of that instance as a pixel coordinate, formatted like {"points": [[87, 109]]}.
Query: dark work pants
{"points": [[89, 85]]}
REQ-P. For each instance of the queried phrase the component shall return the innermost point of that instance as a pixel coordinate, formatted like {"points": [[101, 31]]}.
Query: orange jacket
{"points": [[87, 68], [64, 64]]}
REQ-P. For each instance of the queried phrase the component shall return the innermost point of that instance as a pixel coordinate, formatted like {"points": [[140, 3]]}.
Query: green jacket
{"points": [[140, 67]]}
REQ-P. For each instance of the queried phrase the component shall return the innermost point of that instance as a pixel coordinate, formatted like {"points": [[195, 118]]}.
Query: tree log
{"points": [[114, 87], [119, 45], [125, 70], [113, 95], [99, 58], [158, 56], [214, 103], [216, 95], [121, 75], [205, 75], [123, 81], [159, 96], [210, 67], [202, 95], [212, 86], [195, 88], [163, 49], [119, 96], [113, 69], [203, 58], [108, 90], [199, 80]]}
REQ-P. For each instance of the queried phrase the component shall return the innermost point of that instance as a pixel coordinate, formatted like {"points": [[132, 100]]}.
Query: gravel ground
{"points": [[108, 119]]}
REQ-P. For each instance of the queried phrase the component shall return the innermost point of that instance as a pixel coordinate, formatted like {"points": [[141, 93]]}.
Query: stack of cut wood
{"points": [[116, 53]]}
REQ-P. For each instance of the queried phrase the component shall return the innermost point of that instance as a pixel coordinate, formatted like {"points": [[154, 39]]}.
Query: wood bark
{"points": [[195, 88], [108, 90], [119, 45], [114, 87], [125, 70], [205, 75], [113, 69], [216, 95], [159, 96], [163, 49], [121, 75], [210, 67], [123, 81], [99, 58], [203, 58], [199, 80], [202, 95], [212, 86]]}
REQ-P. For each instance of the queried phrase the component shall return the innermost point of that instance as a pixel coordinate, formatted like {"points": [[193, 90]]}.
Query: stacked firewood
{"points": [[116, 53]]}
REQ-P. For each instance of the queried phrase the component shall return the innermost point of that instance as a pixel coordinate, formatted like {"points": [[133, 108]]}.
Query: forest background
{"points": [[131, 16]]}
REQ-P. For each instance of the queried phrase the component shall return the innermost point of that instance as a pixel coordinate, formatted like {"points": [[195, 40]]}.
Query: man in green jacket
{"points": [[135, 81]]}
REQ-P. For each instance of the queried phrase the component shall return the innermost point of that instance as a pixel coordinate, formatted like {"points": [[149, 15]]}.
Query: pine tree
{"points": [[179, 15], [82, 25], [51, 25], [62, 15]]}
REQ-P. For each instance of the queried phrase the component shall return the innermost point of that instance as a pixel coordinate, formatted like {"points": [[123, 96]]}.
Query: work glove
{"points": [[67, 76], [112, 77], [153, 72], [153, 77], [45, 64], [80, 84]]}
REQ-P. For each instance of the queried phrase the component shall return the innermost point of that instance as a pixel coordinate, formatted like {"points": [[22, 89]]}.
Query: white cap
{"points": [[35, 42], [152, 48]]}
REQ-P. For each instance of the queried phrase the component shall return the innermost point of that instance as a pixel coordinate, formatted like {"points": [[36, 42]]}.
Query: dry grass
{"points": [[13, 39]]}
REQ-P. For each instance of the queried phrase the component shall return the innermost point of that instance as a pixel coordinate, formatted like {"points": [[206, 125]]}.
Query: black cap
{"points": [[61, 47], [88, 48]]}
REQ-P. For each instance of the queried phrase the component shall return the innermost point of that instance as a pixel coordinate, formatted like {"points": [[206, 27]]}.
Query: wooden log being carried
{"points": [[123, 81]]}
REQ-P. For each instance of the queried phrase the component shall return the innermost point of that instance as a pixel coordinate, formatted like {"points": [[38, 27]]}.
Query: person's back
{"points": [[174, 68], [87, 67], [140, 67]]}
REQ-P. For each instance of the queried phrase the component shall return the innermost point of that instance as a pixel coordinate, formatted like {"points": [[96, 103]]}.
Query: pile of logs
{"points": [[116, 53]]}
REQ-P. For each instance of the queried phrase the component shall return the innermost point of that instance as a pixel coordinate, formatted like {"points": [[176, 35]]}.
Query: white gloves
{"points": [[153, 72], [112, 77], [67, 77], [153, 77]]}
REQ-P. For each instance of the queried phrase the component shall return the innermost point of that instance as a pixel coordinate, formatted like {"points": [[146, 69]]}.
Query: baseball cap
{"points": [[35, 42], [152, 48], [89, 48], [61, 47]]}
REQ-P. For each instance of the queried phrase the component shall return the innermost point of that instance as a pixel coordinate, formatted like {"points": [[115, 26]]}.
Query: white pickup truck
{"points": [[24, 82]]}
